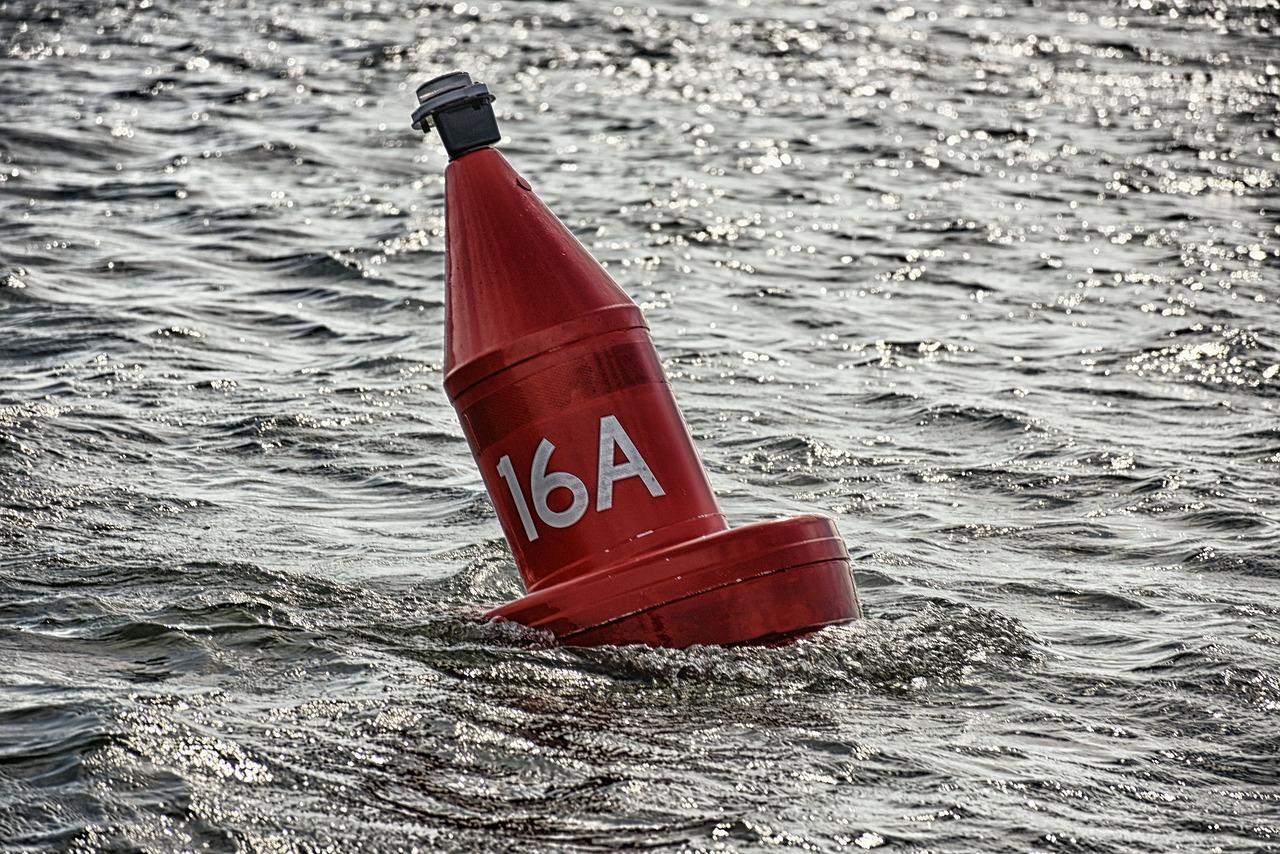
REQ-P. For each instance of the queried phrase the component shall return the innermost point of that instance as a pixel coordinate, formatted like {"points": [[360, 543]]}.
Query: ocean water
{"points": [[995, 285]]}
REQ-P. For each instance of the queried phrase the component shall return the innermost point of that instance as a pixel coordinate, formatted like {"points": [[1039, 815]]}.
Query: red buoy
{"points": [[595, 479]]}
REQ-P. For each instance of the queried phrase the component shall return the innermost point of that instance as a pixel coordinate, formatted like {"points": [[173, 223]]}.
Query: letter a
{"points": [[612, 435]]}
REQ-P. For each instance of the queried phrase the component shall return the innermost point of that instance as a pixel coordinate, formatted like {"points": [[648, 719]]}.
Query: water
{"points": [[995, 286]]}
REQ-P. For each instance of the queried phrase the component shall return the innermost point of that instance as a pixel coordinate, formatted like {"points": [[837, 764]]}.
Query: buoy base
{"points": [[757, 584]]}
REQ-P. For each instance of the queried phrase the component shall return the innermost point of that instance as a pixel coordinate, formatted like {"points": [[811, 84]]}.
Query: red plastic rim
{"points": [[755, 583]]}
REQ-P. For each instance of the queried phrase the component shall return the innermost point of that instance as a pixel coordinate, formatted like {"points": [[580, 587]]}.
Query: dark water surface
{"points": [[994, 285]]}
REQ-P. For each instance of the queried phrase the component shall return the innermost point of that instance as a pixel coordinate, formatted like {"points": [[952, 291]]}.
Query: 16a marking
{"points": [[542, 482]]}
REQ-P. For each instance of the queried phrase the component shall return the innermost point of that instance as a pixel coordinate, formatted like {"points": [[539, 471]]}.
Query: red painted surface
{"points": [[594, 476]]}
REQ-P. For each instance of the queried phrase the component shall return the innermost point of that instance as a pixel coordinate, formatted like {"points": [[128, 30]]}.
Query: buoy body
{"points": [[558, 386], [595, 479]]}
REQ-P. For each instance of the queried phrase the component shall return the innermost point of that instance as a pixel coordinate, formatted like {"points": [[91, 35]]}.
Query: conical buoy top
{"points": [[460, 110]]}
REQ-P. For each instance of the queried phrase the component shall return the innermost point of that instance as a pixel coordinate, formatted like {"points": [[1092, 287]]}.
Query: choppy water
{"points": [[995, 285]]}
